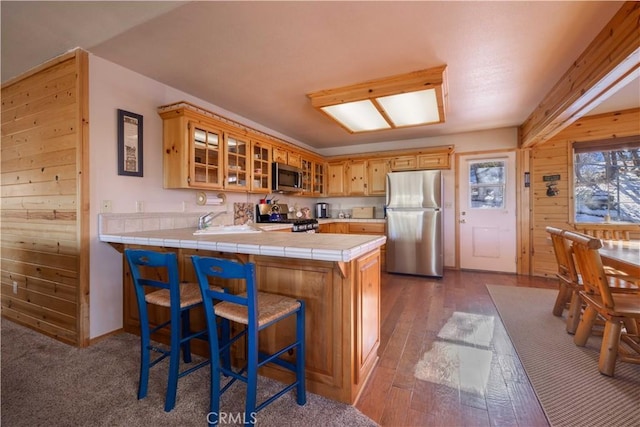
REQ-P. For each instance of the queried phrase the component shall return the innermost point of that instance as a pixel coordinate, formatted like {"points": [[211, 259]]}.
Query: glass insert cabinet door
{"points": [[237, 162], [307, 175], [318, 178], [206, 167], [261, 166], [487, 181]]}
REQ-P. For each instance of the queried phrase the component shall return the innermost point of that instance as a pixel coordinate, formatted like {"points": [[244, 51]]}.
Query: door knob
{"points": [[463, 221]]}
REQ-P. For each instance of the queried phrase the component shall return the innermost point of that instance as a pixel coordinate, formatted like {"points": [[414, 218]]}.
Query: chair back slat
{"points": [[589, 262], [209, 267], [564, 255]]}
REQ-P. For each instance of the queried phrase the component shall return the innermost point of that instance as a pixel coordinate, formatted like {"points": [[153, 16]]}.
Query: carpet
{"points": [[46, 382], [565, 377]]}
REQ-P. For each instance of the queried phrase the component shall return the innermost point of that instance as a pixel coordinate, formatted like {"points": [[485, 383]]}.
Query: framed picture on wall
{"points": [[129, 143]]}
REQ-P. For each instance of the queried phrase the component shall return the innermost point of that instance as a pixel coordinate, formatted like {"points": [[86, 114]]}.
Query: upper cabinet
{"points": [[287, 157], [336, 179], [377, 170], [204, 151], [363, 175], [356, 178], [193, 153], [261, 166]]}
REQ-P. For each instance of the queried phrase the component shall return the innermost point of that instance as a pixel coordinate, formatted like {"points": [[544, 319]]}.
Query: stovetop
{"points": [[295, 221]]}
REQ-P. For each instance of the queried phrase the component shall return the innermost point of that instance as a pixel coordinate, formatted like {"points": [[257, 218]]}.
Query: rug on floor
{"points": [[565, 377], [46, 382]]}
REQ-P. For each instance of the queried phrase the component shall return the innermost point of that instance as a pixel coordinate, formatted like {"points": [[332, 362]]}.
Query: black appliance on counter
{"points": [[322, 210], [279, 214]]}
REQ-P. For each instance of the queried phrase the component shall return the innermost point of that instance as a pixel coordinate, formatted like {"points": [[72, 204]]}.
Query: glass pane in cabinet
{"points": [[200, 155], [213, 158], [213, 140], [200, 174], [242, 148], [212, 175]]}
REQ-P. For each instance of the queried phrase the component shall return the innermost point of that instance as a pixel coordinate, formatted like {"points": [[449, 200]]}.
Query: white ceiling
{"points": [[260, 59]]}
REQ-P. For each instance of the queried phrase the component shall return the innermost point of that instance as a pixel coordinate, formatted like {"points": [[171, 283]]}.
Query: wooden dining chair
{"points": [[621, 311], [570, 282]]}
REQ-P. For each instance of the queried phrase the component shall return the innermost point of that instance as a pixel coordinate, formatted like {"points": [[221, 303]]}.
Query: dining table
{"points": [[622, 255]]}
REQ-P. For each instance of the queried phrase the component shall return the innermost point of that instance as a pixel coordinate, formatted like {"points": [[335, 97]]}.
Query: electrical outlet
{"points": [[106, 206], [139, 206], [15, 287]]}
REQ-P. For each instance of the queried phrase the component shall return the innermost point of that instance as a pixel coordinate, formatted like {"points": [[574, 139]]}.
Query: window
{"points": [[607, 180], [487, 184]]}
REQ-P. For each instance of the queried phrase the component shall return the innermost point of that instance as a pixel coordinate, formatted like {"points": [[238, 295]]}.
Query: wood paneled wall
{"points": [[555, 157], [45, 203]]}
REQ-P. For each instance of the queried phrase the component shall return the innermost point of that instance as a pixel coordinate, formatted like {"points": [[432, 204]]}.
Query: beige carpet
{"points": [[565, 377], [45, 382]]}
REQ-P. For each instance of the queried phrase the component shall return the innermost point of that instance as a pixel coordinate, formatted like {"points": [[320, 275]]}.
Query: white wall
{"points": [[112, 87]]}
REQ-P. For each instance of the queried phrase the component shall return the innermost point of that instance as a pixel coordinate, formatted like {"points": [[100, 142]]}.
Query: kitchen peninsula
{"points": [[338, 277]]}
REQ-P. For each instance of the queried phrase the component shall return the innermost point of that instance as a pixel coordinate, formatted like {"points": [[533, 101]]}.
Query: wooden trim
{"points": [[608, 63], [523, 214], [408, 82], [35, 70], [449, 149], [83, 214]]}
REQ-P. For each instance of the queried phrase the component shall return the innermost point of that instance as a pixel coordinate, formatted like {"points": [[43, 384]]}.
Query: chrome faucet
{"points": [[206, 219]]}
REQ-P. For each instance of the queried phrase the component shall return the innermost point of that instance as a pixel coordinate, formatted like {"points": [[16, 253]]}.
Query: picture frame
{"points": [[130, 154]]}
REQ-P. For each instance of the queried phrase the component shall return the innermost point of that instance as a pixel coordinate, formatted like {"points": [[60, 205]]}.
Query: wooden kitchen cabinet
{"points": [[403, 163], [261, 166], [237, 162], [193, 154], [287, 157], [433, 161], [319, 185], [280, 155], [307, 176], [356, 178], [294, 159], [377, 170], [336, 179]]}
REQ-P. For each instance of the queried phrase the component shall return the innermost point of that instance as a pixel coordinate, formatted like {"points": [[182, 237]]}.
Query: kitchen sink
{"points": [[228, 229]]}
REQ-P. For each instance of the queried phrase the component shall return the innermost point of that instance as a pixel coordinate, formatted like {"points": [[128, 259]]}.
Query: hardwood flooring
{"points": [[414, 310]]}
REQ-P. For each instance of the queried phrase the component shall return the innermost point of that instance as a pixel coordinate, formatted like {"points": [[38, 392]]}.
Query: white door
{"points": [[487, 215]]}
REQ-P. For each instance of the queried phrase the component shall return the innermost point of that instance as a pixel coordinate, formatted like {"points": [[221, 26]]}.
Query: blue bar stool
{"points": [[256, 311], [159, 270]]}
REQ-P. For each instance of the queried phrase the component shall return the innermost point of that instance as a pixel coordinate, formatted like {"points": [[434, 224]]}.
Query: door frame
{"points": [[523, 213]]}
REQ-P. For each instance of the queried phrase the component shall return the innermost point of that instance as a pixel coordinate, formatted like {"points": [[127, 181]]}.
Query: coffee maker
{"points": [[322, 210]]}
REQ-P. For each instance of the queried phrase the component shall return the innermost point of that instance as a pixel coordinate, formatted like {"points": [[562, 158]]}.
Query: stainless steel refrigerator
{"points": [[414, 223]]}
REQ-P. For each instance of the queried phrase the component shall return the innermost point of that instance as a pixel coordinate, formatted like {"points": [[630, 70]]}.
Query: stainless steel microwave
{"points": [[285, 178]]}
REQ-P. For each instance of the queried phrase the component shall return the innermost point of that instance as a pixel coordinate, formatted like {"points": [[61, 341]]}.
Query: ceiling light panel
{"points": [[359, 116], [411, 109], [412, 99]]}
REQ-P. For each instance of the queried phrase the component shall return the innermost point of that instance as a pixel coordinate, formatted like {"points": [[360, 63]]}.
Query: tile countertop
{"points": [[322, 247]]}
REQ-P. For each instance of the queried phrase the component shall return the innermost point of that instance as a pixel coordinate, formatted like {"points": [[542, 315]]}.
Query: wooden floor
{"points": [[414, 309]]}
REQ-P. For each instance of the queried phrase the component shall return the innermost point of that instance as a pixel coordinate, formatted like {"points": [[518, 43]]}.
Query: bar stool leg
{"points": [[174, 360], [301, 395], [186, 331], [145, 356], [252, 373]]}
